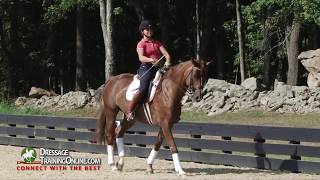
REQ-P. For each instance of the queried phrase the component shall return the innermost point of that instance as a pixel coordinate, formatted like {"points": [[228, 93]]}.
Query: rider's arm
{"points": [[143, 58], [165, 53]]}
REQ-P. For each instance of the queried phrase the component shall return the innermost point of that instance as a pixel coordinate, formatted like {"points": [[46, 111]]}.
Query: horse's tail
{"points": [[101, 120]]}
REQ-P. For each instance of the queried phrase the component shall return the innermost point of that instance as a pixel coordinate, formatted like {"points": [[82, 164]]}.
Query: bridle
{"points": [[190, 88]]}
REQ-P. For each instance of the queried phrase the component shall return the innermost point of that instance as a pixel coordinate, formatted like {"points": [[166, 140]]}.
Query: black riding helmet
{"points": [[145, 24]]}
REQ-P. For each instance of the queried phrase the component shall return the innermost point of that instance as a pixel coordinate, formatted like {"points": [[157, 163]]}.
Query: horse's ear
{"points": [[209, 62]]}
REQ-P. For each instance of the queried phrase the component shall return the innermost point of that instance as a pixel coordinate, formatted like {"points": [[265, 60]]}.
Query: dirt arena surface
{"points": [[135, 169]]}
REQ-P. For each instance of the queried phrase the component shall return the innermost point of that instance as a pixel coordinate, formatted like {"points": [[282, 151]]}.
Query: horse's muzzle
{"points": [[197, 96]]}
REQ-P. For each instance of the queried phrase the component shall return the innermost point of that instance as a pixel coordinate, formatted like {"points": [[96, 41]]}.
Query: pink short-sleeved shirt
{"points": [[151, 48]]}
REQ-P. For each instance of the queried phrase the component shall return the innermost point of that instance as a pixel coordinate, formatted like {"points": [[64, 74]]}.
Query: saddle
{"points": [[135, 85]]}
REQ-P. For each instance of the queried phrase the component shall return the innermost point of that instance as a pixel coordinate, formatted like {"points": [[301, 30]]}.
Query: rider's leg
{"points": [[132, 105], [145, 76]]}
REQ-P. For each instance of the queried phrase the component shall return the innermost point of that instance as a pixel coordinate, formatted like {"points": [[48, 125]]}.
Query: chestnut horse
{"points": [[165, 109]]}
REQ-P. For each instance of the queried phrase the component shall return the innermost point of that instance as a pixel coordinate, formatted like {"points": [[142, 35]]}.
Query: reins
{"points": [[152, 66]]}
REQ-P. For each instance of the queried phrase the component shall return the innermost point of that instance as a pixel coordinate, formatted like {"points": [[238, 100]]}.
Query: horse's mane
{"points": [[168, 84], [177, 68]]}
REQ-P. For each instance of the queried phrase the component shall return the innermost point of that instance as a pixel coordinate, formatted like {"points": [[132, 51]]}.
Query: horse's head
{"points": [[197, 78]]}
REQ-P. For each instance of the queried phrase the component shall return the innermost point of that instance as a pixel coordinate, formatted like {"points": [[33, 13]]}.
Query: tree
{"points": [[163, 16], [138, 6], [287, 18], [197, 50], [207, 31], [240, 37], [292, 43], [267, 53], [106, 25], [80, 82]]}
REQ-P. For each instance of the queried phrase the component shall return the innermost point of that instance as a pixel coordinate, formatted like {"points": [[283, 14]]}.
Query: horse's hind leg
{"points": [[110, 132], [120, 130], [154, 152]]}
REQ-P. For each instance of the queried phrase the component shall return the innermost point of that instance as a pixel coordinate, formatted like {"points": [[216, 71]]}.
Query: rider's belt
{"points": [[146, 64]]}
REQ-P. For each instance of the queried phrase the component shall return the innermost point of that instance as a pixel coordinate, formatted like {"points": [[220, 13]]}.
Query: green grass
{"points": [[310, 120], [9, 108], [254, 117]]}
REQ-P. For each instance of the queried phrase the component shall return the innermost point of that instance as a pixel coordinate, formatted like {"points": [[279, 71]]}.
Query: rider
{"points": [[149, 51]]}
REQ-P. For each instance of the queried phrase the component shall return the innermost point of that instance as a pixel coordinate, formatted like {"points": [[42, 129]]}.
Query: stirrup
{"points": [[130, 116]]}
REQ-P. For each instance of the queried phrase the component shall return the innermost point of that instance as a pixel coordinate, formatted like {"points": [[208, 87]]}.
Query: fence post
{"points": [[258, 146], [93, 139], [12, 125], [50, 127], [30, 126], [71, 129], [226, 138], [196, 137], [293, 156], [143, 133]]}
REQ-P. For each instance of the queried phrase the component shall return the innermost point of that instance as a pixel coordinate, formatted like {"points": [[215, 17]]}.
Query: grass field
{"points": [[310, 120]]}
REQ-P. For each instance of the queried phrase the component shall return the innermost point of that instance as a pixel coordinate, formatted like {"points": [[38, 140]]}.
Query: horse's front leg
{"points": [[120, 131], [154, 152], [166, 129]]}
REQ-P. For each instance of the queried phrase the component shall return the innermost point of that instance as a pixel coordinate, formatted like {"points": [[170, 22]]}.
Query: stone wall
{"points": [[218, 97], [71, 100]]}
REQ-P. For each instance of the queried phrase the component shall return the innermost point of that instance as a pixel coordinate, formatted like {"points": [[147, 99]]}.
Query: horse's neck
{"points": [[177, 73], [172, 90], [175, 80]]}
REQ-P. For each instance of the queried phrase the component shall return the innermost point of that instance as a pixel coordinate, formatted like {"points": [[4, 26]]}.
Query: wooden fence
{"points": [[275, 148]]}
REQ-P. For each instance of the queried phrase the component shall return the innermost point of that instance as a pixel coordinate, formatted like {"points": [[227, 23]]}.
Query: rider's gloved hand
{"points": [[167, 64], [153, 61]]}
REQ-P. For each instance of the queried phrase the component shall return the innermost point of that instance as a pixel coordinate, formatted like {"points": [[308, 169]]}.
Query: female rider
{"points": [[149, 51]]}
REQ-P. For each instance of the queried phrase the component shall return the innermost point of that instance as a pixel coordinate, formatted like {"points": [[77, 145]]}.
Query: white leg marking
{"points": [[152, 156], [177, 165], [120, 146], [110, 154]]}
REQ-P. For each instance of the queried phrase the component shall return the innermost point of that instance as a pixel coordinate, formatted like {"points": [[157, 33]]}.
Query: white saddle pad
{"points": [[135, 85]]}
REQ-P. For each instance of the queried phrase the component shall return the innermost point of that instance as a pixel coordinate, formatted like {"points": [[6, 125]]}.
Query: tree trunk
{"points": [[49, 55], [138, 7], [80, 83], [293, 52], [267, 58], [197, 31], [219, 44], [240, 37], [163, 15], [207, 49], [106, 25], [315, 37], [13, 52]]}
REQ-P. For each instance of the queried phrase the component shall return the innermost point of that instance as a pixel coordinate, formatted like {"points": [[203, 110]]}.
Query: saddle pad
{"points": [[133, 88], [135, 84]]}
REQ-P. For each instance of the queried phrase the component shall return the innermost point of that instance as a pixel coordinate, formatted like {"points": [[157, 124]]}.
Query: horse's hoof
{"points": [[114, 168], [182, 174], [119, 166], [150, 171]]}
